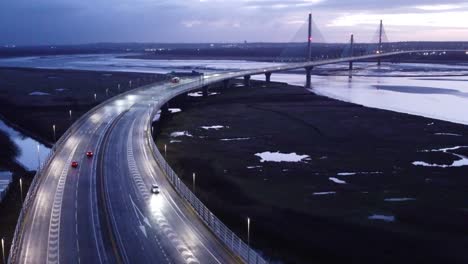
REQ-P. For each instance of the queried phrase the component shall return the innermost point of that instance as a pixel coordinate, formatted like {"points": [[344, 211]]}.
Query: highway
{"points": [[103, 211]]}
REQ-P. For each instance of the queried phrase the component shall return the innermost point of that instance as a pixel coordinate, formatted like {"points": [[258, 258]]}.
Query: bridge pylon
{"points": [[379, 48], [351, 52], [309, 39]]}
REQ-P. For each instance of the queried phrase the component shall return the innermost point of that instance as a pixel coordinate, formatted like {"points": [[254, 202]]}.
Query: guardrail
{"points": [[33, 188], [221, 231]]}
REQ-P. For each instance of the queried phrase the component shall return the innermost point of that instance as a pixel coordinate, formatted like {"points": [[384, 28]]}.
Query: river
{"points": [[438, 91]]}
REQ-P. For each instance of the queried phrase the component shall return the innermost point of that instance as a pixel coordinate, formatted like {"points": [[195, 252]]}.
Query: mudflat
{"points": [[323, 181]]}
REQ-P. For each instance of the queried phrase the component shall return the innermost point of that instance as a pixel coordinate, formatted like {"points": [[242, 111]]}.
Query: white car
{"points": [[154, 188]]}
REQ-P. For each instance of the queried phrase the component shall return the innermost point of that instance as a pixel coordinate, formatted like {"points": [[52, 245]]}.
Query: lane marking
{"points": [[53, 245]]}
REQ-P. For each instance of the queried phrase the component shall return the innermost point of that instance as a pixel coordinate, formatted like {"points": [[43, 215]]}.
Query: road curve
{"points": [[103, 211]]}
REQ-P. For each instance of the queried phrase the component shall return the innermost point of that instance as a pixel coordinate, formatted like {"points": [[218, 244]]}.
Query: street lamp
{"points": [[107, 91], [118, 87], [70, 113], [21, 190], [95, 97], [53, 128], [165, 150], [38, 156], [3, 250], [248, 238], [194, 182]]}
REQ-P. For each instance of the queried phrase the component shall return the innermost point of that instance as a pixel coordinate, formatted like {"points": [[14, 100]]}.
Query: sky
{"points": [[55, 22]]}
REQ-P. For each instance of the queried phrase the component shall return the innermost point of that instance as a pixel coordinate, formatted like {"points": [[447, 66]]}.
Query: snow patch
{"points": [[212, 127], [463, 161], [253, 167], [181, 134], [175, 141], [386, 218], [346, 173], [281, 157], [336, 180], [195, 94], [448, 134], [323, 193], [234, 139], [39, 93], [403, 199], [174, 110]]}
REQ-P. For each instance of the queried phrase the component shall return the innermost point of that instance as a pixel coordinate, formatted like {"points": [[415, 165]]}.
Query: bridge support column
{"points": [[268, 77], [308, 77], [205, 91], [350, 69], [247, 81], [226, 84]]}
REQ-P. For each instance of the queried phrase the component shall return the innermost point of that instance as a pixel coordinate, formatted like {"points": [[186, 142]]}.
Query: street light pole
{"points": [[95, 97], [38, 156], [53, 128], [248, 239], [70, 113], [21, 190], [165, 150], [194, 182], [3, 250]]}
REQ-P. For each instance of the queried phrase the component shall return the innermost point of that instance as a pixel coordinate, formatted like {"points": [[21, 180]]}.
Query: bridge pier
{"points": [[308, 77], [268, 77], [350, 69], [226, 84], [247, 80], [205, 91]]}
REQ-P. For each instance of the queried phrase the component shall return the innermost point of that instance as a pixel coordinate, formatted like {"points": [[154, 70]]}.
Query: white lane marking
{"points": [[173, 204], [162, 222], [53, 245], [40, 199]]}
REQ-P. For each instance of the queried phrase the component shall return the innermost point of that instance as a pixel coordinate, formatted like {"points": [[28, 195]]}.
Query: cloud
{"points": [[84, 21]]}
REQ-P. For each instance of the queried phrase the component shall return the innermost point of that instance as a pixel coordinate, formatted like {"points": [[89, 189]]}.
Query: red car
{"points": [[89, 154], [74, 164]]}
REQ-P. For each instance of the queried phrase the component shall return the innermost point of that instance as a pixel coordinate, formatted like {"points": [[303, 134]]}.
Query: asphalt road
{"points": [[103, 211]]}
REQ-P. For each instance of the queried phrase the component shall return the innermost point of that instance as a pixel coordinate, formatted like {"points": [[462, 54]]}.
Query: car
{"points": [[74, 164], [89, 154], [154, 188], [175, 80]]}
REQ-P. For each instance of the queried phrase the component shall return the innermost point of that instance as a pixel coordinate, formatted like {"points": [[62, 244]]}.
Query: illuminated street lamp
{"points": [[53, 128], [248, 238], [193, 176], [95, 97], [38, 157], [70, 113], [118, 87], [165, 150], [21, 190], [3, 250]]}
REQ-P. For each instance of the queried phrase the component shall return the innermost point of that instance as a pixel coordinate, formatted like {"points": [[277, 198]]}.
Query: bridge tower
{"points": [[309, 53], [379, 48], [309, 39], [351, 52]]}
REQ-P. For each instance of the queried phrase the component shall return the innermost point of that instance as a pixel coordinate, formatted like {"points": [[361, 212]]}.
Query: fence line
{"points": [[221, 231]]}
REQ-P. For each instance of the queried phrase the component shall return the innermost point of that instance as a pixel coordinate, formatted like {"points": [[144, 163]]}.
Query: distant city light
{"points": [[466, 52]]}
